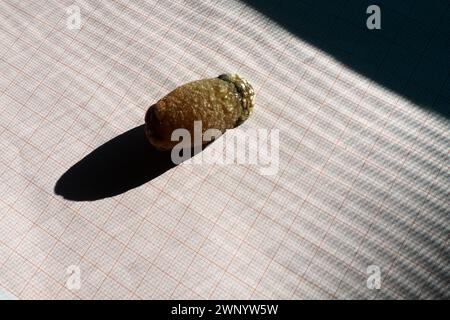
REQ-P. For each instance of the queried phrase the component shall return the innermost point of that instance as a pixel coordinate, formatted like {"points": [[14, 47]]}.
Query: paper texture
{"points": [[362, 181]]}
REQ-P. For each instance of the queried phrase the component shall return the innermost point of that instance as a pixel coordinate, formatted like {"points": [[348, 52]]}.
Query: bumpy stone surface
{"points": [[221, 103]]}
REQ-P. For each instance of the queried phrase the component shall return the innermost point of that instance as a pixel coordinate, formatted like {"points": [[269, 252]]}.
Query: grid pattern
{"points": [[363, 177]]}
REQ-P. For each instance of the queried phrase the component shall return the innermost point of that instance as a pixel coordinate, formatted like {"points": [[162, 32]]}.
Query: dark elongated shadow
{"points": [[409, 54], [121, 164]]}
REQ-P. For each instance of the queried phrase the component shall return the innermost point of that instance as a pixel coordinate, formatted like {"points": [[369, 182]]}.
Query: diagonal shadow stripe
{"points": [[408, 55]]}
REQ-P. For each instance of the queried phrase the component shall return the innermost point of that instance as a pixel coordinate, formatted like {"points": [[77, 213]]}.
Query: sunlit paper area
{"points": [[363, 177]]}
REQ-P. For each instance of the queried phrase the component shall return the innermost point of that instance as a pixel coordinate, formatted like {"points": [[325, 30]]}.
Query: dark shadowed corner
{"points": [[121, 164], [408, 55]]}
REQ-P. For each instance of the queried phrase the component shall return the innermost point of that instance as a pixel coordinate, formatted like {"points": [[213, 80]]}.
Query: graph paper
{"points": [[362, 182]]}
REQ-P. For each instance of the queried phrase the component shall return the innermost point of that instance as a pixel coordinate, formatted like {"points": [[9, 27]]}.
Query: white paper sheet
{"points": [[362, 181]]}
